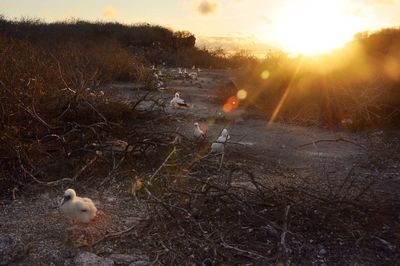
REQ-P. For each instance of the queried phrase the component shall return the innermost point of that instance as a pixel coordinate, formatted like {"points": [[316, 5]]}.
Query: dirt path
{"points": [[279, 142]]}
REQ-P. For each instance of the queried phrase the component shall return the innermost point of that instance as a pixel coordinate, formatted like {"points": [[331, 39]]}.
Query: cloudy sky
{"points": [[267, 21]]}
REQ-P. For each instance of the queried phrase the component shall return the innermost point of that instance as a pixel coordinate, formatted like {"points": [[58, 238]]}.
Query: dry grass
{"points": [[359, 82]]}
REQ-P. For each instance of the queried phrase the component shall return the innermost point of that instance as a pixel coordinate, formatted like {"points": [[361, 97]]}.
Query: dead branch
{"points": [[330, 140]]}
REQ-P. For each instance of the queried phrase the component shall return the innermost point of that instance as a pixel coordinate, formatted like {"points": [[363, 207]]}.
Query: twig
{"points": [[283, 235], [112, 235], [162, 165], [84, 168]]}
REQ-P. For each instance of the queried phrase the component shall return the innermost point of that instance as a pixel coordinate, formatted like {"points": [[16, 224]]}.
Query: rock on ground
{"points": [[90, 259], [125, 259]]}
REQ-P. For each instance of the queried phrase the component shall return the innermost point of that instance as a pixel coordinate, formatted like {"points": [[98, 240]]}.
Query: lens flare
{"points": [[210, 121], [231, 104], [265, 74], [241, 94]]}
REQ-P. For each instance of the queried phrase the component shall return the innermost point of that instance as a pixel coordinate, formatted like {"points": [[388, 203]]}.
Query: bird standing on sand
{"points": [[198, 132], [76, 208], [177, 102]]}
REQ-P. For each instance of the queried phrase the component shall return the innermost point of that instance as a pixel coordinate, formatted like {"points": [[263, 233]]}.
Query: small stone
{"points": [[90, 259], [126, 259], [322, 251]]}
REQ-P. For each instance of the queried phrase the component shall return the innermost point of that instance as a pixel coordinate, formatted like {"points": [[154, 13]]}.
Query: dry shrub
{"points": [[46, 111]]}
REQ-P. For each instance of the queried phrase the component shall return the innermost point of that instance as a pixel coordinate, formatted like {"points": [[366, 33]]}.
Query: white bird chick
{"points": [[76, 208], [198, 132], [177, 102]]}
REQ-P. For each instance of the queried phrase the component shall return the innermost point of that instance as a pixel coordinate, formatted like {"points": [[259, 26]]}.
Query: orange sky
{"points": [[298, 26]]}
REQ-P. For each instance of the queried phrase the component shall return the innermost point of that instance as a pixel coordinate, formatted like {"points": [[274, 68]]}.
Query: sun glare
{"points": [[314, 27]]}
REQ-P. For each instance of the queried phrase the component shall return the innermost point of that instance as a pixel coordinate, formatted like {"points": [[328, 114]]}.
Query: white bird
{"points": [[198, 132], [193, 75], [76, 208], [177, 102], [159, 84], [225, 133], [193, 67], [185, 71], [180, 71], [219, 146]]}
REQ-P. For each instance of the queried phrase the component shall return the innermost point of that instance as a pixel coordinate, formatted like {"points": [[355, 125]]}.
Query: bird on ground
{"points": [[198, 132], [159, 84], [177, 102], [193, 76], [77, 209], [218, 147]]}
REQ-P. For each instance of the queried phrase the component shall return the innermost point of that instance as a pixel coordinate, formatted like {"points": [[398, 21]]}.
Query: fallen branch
{"points": [[330, 140]]}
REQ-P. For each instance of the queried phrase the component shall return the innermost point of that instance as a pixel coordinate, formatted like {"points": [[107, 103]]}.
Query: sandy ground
{"points": [[278, 142], [36, 231]]}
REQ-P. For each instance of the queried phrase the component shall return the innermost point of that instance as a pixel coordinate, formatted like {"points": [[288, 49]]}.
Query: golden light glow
{"points": [[314, 26], [241, 94], [265, 74]]}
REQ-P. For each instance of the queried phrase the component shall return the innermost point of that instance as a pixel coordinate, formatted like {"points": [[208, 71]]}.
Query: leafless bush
{"points": [[200, 215], [51, 107]]}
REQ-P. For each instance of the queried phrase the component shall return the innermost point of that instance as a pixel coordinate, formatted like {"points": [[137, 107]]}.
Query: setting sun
{"points": [[314, 27]]}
